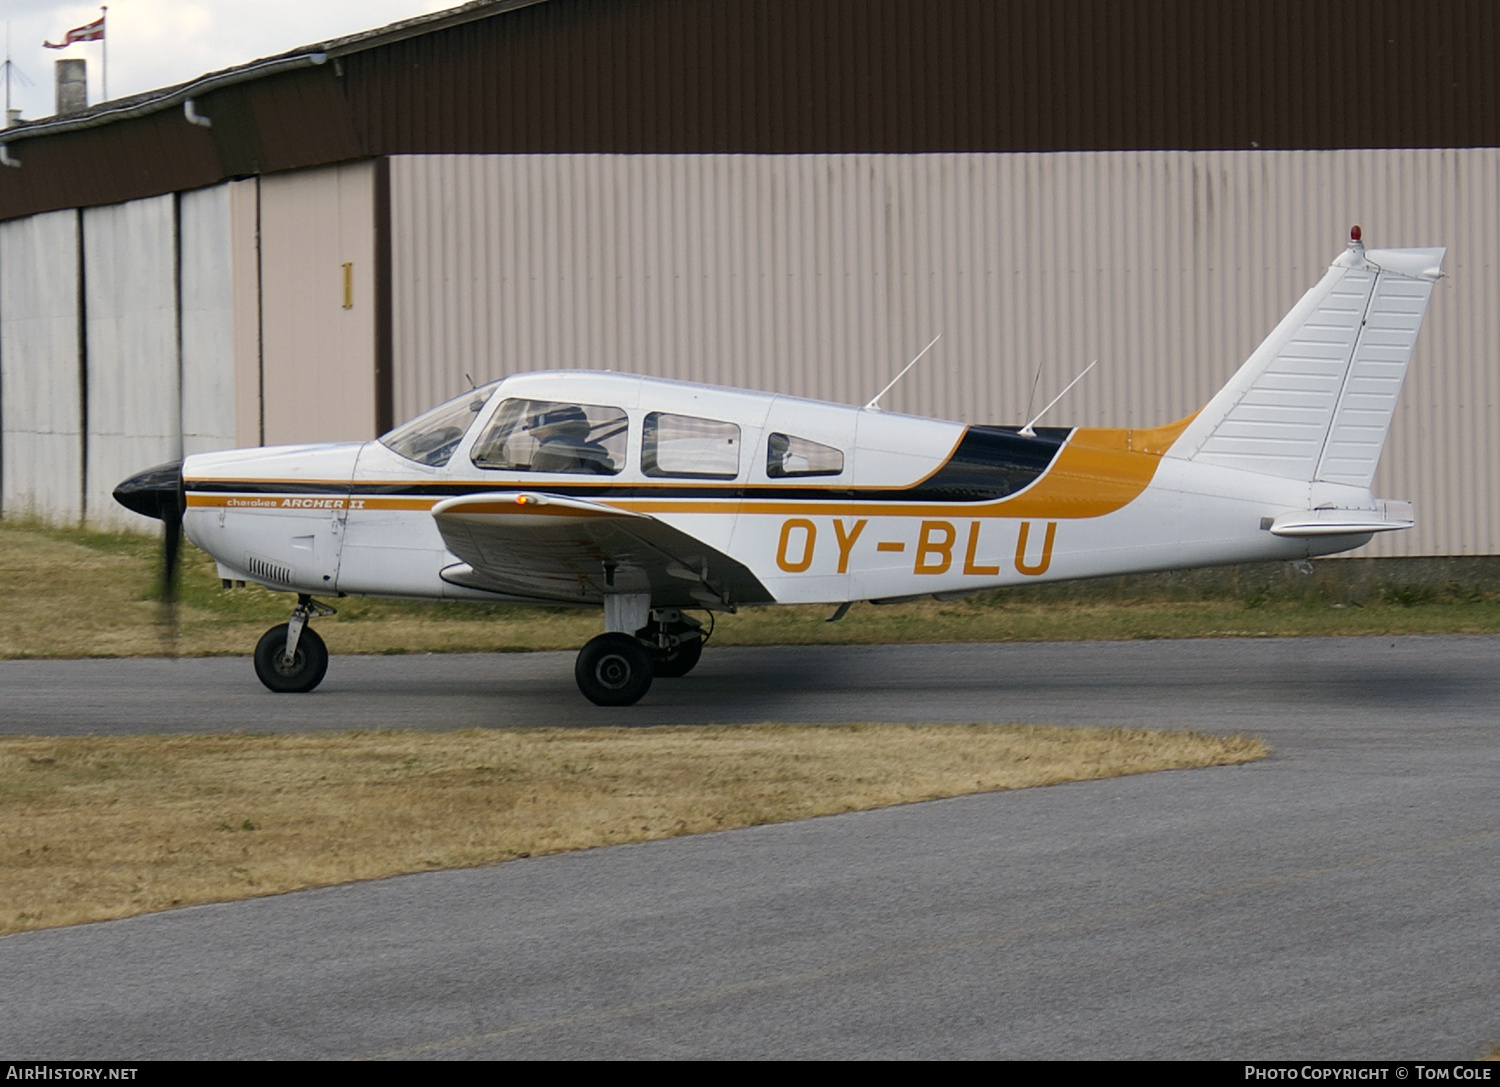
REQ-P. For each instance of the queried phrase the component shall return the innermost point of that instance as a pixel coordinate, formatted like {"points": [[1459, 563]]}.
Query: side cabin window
{"points": [[432, 437], [686, 447], [548, 436], [788, 456]]}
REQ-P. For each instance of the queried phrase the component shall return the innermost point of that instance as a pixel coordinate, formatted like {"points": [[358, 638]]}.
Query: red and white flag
{"points": [[93, 32]]}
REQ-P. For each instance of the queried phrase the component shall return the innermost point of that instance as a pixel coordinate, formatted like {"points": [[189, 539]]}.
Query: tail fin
{"points": [[1315, 400]]}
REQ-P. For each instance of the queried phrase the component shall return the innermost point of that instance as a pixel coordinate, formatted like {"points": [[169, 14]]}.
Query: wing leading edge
{"points": [[570, 550]]}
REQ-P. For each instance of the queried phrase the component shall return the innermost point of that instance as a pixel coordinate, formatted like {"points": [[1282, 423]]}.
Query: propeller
{"points": [[158, 492]]}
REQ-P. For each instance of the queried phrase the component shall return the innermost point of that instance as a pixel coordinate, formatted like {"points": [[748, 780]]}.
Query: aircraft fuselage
{"points": [[912, 506]]}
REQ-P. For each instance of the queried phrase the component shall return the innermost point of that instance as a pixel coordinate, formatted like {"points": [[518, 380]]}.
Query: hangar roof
{"points": [[796, 77], [139, 105]]}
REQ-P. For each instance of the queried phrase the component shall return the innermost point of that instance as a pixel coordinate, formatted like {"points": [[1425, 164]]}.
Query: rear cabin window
{"points": [[686, 447], [788, 456], [549, 436]]}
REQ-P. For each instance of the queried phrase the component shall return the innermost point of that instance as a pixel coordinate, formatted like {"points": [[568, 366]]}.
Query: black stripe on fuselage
{"points": [[989, 463]]}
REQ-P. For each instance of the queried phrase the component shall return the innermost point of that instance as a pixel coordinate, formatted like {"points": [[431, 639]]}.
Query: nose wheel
{"points": [[291, 658]]}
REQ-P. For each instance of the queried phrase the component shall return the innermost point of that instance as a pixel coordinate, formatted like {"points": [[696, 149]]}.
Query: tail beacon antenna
{"points": [[1028, 430], [874, 405]]}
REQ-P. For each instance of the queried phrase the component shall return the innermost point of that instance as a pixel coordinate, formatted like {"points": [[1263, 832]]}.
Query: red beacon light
{"points": [[1355, 233]]}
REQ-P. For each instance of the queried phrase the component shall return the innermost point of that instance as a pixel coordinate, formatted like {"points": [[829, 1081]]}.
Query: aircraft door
{"points": [[391, 543]]}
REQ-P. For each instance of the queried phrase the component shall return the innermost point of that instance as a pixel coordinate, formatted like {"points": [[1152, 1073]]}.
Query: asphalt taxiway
{"points": [[1335, 900]]}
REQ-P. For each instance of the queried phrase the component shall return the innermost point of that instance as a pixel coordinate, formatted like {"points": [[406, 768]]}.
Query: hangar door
{"points": [[317, 230]]}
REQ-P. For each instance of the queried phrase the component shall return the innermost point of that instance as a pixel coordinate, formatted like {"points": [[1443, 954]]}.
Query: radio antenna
{"points": [[1027, 431], [874, 405], [1031, 396]]}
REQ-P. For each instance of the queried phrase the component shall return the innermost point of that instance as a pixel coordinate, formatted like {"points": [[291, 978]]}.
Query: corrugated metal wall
{"points": [[170, 305], [821, 275], [138, 387], [244, 258], [130, 325], [816, 275], [41, 400], [208, 320]]}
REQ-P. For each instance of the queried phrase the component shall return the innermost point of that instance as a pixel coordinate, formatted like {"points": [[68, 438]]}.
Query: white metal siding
{"points": [[40, 404], [244, 217], [207, 246], [130, 326], [821, 275]]}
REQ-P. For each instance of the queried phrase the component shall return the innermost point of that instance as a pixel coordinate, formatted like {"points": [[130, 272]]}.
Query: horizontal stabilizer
{"points": [[1389, 515], [1315, 400]]}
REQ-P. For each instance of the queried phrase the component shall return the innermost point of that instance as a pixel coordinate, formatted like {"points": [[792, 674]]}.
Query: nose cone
{"points": [[156, 492]]}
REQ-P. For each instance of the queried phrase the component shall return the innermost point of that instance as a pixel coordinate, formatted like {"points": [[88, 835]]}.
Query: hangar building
{"points": [[792, 195]]}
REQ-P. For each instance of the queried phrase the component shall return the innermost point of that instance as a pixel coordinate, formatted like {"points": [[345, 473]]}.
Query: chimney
{"points": [[72, 87]]}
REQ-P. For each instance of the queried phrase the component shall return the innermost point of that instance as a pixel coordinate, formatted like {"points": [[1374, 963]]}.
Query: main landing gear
{"points": [[616, 669], [292, 658]]}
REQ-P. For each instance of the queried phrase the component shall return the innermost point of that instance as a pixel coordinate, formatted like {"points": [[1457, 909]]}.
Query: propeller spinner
{"points": [[158, 492]]}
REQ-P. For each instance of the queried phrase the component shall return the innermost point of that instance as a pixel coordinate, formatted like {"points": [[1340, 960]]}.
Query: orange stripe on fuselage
{"points": [[273, 501], [1098, 471]]}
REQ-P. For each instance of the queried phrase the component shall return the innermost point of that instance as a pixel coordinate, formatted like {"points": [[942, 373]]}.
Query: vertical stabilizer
{"points": [[1315, 400]]}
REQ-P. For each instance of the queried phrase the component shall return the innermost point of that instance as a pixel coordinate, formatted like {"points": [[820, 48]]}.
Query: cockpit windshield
{"points": [[432, 437]]}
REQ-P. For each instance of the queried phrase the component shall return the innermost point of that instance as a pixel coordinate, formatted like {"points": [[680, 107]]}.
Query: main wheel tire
{"points": [[613, 670], [309, 663], [682, 661]]}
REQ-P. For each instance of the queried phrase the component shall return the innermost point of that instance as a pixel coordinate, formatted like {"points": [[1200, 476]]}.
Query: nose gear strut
{"points": [[292, 658]]}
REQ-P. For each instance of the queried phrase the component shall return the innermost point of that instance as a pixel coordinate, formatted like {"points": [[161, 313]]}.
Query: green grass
{"points": [[88, 594]]}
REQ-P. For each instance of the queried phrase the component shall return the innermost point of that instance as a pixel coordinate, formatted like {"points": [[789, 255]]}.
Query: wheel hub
{"points": [[298, 663], [613, 672]]}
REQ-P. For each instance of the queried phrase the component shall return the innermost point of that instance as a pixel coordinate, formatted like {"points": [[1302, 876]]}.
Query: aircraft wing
{"points": [[571, 550]]}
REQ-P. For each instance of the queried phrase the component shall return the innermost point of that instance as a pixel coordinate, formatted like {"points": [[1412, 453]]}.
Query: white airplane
{"points": [[655, 498]]}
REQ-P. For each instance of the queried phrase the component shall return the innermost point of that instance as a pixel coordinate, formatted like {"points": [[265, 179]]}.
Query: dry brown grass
{"points": [[75, 594], [102, 827]]}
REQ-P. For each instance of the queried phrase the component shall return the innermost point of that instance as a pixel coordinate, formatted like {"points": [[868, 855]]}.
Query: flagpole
{"points": [[103, 60]]}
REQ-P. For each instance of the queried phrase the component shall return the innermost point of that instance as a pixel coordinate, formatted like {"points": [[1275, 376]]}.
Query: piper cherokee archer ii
{"points": [[657, 498]]}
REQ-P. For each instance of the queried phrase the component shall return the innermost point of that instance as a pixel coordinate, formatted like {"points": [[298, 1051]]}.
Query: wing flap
{"points": [[572, 550]]}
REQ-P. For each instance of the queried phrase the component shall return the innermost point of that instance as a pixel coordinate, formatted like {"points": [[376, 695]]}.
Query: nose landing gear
{"points": [[291, 658]]}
